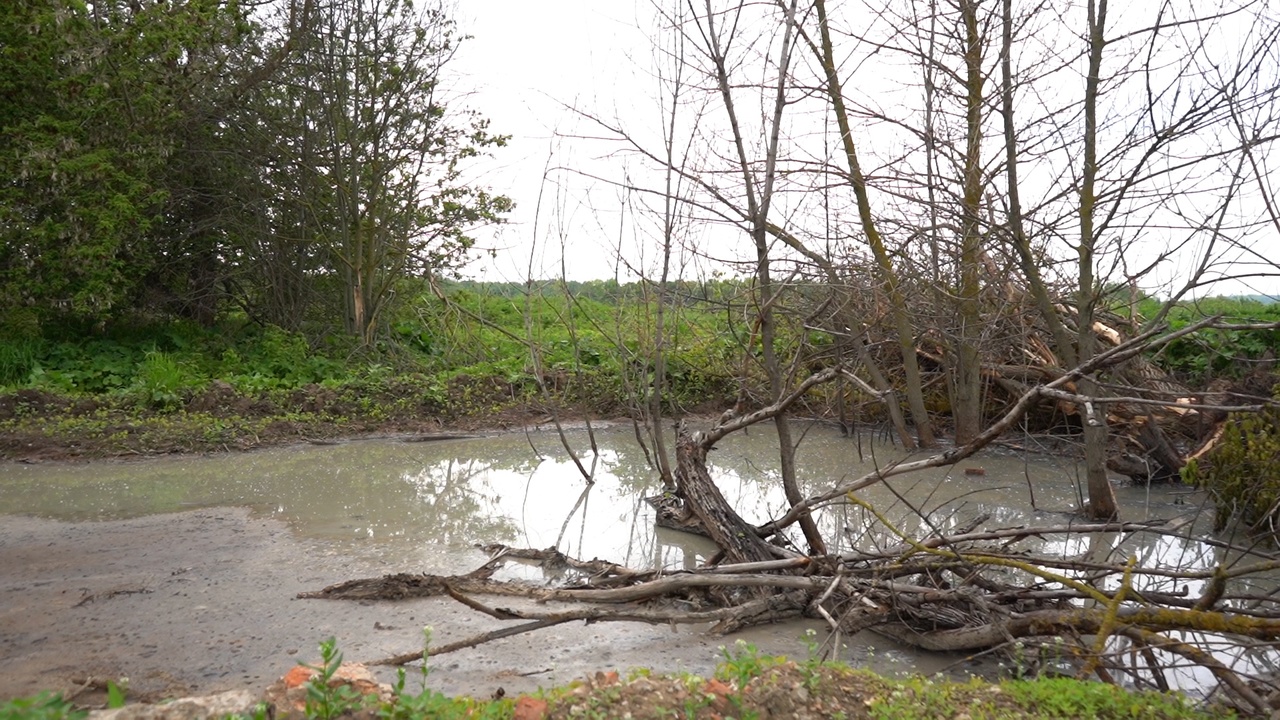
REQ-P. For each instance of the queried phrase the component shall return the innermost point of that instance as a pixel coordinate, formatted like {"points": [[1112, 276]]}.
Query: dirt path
{"points": [[203, 601]]}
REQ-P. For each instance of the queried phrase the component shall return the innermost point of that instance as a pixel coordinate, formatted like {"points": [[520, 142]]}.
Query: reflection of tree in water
{"points": [[456, 505], [1199, 552], [606, 519], [745, 468]]}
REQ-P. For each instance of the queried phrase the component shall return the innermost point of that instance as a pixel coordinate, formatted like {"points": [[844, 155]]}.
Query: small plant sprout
{"points": [[324, 700], [427, 632]]}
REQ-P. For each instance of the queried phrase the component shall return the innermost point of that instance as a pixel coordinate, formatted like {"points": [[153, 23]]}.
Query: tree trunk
{"points": [[968, 377], [693, 483], [1102, 499], [898, 303]]}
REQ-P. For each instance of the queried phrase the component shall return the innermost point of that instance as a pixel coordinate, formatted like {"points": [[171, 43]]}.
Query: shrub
{"points": [[1242, 471], [161, 380], [18, 358]]}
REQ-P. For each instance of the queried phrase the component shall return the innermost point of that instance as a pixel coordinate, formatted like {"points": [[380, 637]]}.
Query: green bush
{"points": [[1242, 471], [161, 381], [1208, 354]]}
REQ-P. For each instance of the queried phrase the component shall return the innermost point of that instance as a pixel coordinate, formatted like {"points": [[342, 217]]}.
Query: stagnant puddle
{"points": [[425, 506]]}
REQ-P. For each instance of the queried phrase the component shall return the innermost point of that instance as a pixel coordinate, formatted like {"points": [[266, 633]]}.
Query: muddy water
{"points": [[424, 505], [381, 506]]}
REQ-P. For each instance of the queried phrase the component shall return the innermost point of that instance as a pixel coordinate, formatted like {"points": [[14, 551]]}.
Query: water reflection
{"points": [[424, 506]]}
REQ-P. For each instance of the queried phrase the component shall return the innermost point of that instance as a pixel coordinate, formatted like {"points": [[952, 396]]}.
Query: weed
{"points": [[115, 694], [434, 704], [813, 659], [161, 380], [18, 358], [45, 706], [744, 663], [1069, 698], [326, 700]]}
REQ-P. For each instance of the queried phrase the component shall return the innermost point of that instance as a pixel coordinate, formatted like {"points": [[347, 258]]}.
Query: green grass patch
{"points": [[747, 684]]}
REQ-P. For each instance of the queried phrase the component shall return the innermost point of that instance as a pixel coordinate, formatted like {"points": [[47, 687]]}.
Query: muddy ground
{"points": [[204, 601]]}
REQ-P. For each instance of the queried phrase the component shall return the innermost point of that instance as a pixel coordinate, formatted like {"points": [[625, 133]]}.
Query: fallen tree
{"points": [[973, 590]]}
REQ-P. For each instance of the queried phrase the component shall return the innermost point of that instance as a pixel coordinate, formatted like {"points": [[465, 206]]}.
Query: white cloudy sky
{"points": [[527, 62], [531, 60]]}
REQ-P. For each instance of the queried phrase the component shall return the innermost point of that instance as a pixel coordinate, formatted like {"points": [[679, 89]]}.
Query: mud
{"points": [[204, 601]]}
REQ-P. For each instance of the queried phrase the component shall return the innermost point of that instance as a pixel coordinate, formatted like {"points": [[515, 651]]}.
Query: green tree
{"points": [[77, 171], [381, 152], [101, 104]]}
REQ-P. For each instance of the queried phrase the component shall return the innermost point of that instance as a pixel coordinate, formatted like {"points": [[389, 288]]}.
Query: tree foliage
{"points": [[183, 158]]}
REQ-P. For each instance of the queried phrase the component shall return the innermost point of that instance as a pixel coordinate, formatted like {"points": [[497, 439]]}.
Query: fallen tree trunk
{"points": [[1083, 621], [735, 536]]}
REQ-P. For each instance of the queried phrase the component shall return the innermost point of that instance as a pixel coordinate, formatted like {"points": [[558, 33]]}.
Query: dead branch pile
{"points": [[974, 590], [971, 592], [1157, 423]]}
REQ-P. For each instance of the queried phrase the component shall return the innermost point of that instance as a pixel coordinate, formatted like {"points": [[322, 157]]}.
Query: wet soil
{"points": [[205, 601], [37, 426]]}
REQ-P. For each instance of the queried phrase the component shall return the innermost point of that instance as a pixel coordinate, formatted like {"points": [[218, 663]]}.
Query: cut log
{"points": [[1209, 442]]}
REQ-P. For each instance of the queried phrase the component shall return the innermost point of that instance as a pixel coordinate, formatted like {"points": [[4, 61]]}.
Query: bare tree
{"points": [[1103, 135], [857, 180]]}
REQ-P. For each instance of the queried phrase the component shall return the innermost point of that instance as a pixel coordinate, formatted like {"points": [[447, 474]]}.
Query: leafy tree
{"points": [[167, 156], [78, 150], [373, 188]]}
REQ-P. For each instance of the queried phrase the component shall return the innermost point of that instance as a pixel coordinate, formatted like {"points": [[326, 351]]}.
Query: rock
{"points": [[235, 702], [528, 708], [288, 695]]}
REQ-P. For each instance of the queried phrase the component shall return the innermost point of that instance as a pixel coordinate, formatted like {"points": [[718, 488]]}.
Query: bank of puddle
{"points": [[428, 506]]}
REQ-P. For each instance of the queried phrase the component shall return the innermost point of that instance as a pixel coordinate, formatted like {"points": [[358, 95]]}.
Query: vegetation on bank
{"points": [[1243, 471], [136, 386], [747, 684], [161, 364], [1214, 354], [479, 352]]}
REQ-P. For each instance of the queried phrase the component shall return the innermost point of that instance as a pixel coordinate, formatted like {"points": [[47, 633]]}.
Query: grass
{"points": [[488, 349], [746, 684], [585, 348], [928, 699]]}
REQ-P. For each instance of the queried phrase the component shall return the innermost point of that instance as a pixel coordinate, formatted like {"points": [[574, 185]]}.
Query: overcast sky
{"points": [[527, 63]]}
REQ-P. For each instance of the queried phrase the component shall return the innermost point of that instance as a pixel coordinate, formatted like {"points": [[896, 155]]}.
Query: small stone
{"points": [[716, 687], [528, 708], [288, 695], [235, 702]]}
